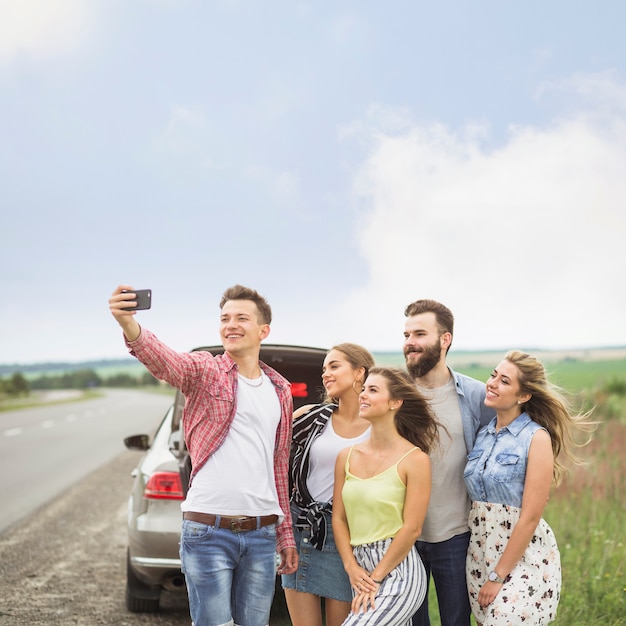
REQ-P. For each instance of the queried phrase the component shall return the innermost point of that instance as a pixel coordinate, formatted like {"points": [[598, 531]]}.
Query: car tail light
{"points": [[164, 486], [299, 390]]}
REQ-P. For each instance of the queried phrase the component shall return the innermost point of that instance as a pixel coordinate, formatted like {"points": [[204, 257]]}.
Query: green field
{"points": [[574, 376]]}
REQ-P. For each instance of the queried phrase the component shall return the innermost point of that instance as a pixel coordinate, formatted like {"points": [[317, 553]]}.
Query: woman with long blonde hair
{"points": [[513, 562]]}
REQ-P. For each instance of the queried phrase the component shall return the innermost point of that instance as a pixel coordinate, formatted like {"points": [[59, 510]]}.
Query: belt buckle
{"points": [[235, 524]]}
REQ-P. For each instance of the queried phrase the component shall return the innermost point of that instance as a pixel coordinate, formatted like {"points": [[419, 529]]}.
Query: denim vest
{"points": [[496, 467]]}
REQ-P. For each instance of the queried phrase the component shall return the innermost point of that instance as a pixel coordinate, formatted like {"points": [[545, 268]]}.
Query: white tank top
{"points": [[324, 451]]}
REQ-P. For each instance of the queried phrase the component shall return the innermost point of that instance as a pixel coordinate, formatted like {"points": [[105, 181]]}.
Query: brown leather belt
{"points": [[236, 524]]}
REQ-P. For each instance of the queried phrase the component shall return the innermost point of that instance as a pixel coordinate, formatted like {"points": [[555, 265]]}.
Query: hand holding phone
{"points": [[143, 298]]}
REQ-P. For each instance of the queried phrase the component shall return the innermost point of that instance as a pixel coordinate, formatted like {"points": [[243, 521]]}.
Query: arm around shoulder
{"points": [[302, 411]]}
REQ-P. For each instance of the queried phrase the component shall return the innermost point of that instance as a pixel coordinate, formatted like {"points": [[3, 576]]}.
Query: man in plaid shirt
{"points": [[237, 426]]}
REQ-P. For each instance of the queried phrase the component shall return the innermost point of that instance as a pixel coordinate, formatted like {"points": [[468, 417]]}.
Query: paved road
{"points": [[45, 450]]}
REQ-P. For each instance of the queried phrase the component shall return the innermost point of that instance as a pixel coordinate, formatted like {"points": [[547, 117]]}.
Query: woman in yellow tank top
{"points": [[382, 489]]}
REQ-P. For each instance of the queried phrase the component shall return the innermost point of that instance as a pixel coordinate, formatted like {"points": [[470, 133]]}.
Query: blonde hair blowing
{"points": [[549, 407]]}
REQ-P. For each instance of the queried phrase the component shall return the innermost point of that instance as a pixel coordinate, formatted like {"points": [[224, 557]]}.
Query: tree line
{"points": [[18, 385]]}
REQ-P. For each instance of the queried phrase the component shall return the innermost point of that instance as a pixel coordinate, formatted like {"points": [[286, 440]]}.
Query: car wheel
{"points": [[140, 598]]}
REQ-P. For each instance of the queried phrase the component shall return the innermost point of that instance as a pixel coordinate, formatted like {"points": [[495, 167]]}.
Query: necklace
{"points": [[247, 381], [379, 464]]}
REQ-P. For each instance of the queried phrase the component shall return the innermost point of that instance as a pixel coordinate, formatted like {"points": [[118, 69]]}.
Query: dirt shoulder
{"points": [[66, 564]]}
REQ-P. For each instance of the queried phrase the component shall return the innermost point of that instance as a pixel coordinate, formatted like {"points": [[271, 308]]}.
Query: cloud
{"points": [[524, 241], [39, 29]]}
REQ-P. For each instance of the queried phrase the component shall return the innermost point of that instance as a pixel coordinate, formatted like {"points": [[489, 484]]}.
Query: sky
{"points": [[343, 158]]}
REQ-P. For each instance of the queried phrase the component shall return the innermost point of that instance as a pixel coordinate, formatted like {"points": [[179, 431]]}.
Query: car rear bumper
{"points": [[154, 562]]}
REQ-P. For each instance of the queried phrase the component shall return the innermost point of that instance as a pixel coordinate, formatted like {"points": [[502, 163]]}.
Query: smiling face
{"points": [[424, 343], [240, 328], [338, 375], [503, 388], [375, 400]]}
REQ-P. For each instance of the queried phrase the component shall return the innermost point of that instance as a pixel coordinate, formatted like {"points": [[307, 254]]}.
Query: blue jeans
{"points": [[230, 576], [446, 562]]}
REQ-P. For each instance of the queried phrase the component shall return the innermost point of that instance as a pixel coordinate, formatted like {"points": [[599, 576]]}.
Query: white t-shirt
{"points": [[449, 503], [238, 479]]}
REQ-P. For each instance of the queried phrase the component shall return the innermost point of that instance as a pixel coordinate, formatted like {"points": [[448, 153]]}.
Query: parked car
{"points": [[154, 515]]}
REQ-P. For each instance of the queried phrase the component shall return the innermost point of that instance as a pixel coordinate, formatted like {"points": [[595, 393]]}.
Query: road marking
{"points": [[47, 424], [13, 432], [70, 418]]}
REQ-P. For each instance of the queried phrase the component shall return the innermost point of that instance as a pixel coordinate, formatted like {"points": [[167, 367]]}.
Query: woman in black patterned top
{"points": [[319, 432]]}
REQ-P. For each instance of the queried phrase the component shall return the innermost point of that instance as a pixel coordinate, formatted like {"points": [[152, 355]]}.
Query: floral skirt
{"points": [[531, 594]]}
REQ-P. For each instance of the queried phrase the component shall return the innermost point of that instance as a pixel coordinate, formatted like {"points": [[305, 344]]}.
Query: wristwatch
{"points": [[494, 578]]}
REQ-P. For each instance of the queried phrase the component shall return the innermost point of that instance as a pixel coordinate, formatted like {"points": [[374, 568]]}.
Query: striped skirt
{"points": [[402, 592]]}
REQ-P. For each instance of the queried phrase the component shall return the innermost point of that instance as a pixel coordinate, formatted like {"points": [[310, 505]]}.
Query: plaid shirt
{"points": [[209, 384]]}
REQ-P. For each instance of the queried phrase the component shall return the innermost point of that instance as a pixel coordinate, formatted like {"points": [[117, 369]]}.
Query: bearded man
{"points": [[458, 403]]}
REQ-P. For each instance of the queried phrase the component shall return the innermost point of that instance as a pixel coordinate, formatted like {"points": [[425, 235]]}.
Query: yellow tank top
{"points": [[374, 506]]}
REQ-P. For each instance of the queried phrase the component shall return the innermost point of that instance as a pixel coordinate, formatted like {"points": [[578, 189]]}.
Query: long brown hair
{"points": [[414, 419]]}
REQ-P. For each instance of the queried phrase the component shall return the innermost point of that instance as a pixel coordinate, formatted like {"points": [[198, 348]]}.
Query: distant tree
{"points": [[616, 386], [122, 380], [43, 383], [80, 379], [18, 385], [149, 379]]}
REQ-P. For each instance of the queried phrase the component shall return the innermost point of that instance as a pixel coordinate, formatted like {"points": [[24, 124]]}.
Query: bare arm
{"points": [[536, 491], [341, 531], [415, 471], [302, 410], [125, 319]]}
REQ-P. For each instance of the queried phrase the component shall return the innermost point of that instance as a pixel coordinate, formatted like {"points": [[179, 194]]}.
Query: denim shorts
{"points": [[320, 572]]}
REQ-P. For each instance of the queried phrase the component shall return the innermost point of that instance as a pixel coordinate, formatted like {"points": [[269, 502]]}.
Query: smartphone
{"points": [[144, 300]]}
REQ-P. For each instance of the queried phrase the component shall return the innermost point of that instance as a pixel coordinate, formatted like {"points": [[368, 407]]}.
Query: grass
{"points": [[573, 375], [587, 514]]}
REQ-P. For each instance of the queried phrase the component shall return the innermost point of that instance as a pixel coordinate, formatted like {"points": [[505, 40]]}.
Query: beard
{"points": [[430, 357]]}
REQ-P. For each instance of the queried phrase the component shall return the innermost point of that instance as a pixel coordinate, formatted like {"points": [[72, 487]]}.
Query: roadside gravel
{"points": [[66, 564]]}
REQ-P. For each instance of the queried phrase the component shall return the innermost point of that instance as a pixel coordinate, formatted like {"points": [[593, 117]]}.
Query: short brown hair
{"points": [[239, 292], [443, 315]]}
